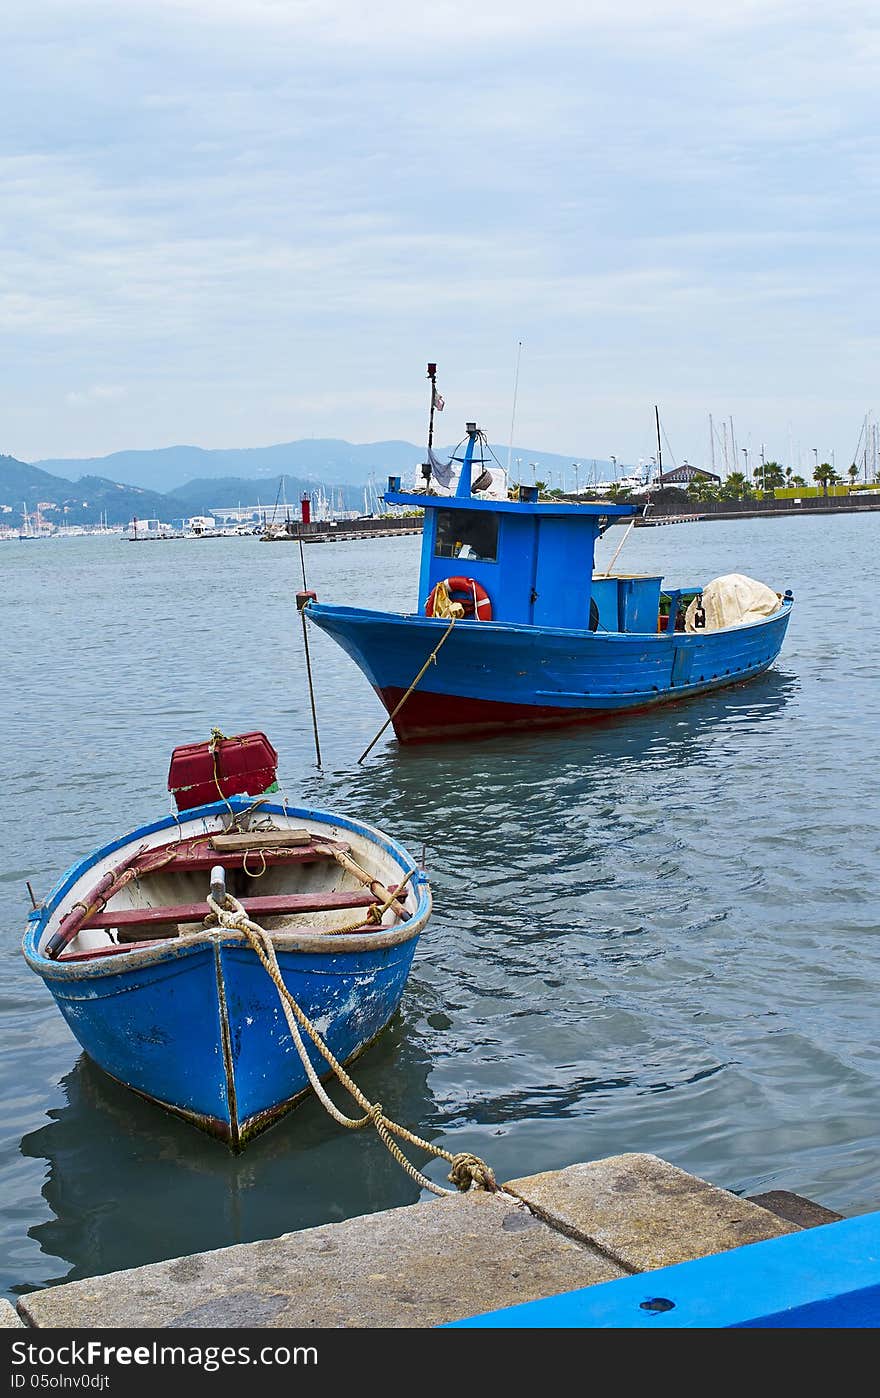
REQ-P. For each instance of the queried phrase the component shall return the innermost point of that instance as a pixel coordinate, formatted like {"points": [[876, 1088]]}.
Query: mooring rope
{"points": [[431, 660], [467, 1170], [218, 737]]}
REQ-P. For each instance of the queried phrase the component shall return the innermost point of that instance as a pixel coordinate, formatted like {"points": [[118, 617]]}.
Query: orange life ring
{"points": [[472, 596]]}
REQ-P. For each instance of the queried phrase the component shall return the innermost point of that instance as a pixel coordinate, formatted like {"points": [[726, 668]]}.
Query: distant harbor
{"points": [[332, 531]]}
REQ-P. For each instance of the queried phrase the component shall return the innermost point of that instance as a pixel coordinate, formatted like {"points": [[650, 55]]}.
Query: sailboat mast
{"points": [[712, 442], [659, 448]]}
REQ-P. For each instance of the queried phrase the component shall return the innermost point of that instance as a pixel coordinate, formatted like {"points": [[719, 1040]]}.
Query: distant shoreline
{"points": [[774, 512]]}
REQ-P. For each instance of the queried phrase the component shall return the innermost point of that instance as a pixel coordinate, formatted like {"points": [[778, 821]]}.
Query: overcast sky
{"points": [[239, 222]]}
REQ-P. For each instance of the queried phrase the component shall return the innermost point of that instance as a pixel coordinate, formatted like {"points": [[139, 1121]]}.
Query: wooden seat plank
{"points": [[206, 858], [264, 839], [267, 905]]}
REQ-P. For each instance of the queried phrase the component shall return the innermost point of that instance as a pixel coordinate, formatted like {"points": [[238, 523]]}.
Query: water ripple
{"points": [[652, 935]]}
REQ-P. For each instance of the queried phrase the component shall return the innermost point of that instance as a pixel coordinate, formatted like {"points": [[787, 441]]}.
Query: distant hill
{"points": [[312, 460], [19, 481], [86, 501], [93, 499]]}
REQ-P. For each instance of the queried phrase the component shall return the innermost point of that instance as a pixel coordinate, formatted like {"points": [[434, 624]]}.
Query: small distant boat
{"points": [[183, 1012], [28, 529], [540, 638]]}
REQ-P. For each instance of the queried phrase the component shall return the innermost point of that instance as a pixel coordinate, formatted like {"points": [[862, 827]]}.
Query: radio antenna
{"points": [[513, 413]]}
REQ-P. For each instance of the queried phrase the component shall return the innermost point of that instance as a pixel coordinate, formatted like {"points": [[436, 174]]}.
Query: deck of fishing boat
{"points": [[627, 1241]]}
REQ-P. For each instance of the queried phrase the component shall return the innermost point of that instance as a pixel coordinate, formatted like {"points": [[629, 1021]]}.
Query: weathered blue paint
{"points": [[542, 660], [548, 676], [197, 1025], [628, 603], [821, 1278], [542, 571]]}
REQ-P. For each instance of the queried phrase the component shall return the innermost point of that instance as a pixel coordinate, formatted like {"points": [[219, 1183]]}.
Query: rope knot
{"points": [[470, 1170]]}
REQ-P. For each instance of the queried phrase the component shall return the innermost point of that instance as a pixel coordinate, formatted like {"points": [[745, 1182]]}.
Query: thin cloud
{"points": [[97, 393], [247, 207]]}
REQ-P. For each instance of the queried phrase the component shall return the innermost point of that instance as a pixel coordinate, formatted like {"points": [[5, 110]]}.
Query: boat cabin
{"points": [[533, 559]]}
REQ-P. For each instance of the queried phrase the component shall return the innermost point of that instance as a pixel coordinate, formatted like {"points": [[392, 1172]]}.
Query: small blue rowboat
{"points": [[185, 1013], [540, 638]]}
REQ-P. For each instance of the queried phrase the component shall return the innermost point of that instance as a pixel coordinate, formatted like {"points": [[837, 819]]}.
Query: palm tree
{"points": [[738, 486], [772, 475], [853, 473], [825, 474]]}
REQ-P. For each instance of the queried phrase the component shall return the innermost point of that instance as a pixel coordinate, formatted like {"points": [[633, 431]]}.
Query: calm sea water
{"points": [[658, 934]]}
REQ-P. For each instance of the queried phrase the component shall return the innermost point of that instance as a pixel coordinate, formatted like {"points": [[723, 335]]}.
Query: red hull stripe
{"points": [[427, 716]]}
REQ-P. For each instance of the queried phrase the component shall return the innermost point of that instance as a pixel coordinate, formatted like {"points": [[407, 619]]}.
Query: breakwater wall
{"points": [[751, 509]]}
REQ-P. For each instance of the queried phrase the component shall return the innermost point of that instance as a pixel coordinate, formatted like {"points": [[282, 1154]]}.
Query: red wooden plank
{"points": [[267, 905], [113, 950], [205, 858]]}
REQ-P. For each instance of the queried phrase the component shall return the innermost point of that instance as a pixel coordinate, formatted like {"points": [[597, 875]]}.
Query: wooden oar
{"points": [[381, 892]]}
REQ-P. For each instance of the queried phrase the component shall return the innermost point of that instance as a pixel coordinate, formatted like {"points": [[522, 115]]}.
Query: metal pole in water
{"points": [[302, 601], [302, 561]]}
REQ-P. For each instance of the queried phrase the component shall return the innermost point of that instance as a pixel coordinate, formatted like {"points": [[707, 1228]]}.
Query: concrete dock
{"points": [[438, 1261]]}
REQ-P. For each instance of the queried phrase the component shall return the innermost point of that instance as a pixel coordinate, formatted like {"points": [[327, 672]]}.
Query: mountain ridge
{"points": [[330, 461], [94, 499], [350, 469]]}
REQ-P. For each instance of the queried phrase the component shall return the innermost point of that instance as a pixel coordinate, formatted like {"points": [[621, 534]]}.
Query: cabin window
{"points": [[468, 534]]}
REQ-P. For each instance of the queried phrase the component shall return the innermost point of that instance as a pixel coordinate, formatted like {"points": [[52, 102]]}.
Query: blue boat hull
{"points": [[196, 1025], [491, 677], [202, 1032]]}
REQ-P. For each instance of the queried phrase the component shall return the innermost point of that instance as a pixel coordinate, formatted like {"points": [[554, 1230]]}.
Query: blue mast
{"points": [[464, 481]]}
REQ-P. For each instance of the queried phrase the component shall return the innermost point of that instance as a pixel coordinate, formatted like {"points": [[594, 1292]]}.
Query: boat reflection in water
{"points": [[459, 789], [129, 1184]]}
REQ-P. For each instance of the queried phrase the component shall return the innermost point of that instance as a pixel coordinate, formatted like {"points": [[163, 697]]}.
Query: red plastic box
{"points": [[246, 764]]}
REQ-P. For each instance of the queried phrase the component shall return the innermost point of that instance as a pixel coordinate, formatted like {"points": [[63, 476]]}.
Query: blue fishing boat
{"points": [[180, 1008], [515, 629]]}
